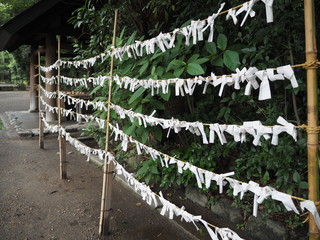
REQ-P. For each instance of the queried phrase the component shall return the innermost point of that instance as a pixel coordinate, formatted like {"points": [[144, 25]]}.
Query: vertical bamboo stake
{"points": [[62, 140], [312, 100], [41, 134], [108, 167]]}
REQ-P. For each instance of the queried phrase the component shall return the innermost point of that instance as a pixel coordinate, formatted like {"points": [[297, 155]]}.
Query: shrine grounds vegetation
{"points": [[257, 44]]}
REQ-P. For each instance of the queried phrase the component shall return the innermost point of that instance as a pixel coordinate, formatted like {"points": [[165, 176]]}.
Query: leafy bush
{"points": [[256, 44]]}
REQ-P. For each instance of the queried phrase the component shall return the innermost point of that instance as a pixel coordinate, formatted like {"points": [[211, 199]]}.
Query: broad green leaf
{"points": [[296, 177], [148, 178], [177, 73], [174, 64], [201, 60], [194, 69], [143, 68], [222, 42], [153, 70], [144, 169], [122, 33], [193, 58], [249, 50], [210, 47], [126, 69], [165, 96], [145, 135], [130, 129], [168, 75], [221, 112], [132, 38], [154, 170], [103, 115], [95, 90], [138, 109], [136, 94], [156, 55], [159, 70], [303, 185], [157, 104], [289, 191], [226, 99], [218, 62], [158, 133], [231, 59]]}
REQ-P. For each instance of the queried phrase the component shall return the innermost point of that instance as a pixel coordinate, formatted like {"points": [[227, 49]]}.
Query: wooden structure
{"points": [[38, 27], [312, 101]]}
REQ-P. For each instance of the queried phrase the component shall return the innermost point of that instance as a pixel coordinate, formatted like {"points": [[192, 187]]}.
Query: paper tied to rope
{"points": [[256, 129], [238, 77], [288, 73], [265, 76], [269, 11], [311, 207], [140, 188], [247, 7], [286, 127], [251, 79], [256, 190], [201, 175], [51, 67], [51, 80], [218, 129], [232, 14], [286, 199], [238, 187], [225, 81], [172, 210], [220, 179], [265, 92], [210, 23], [196, 30], [166, 206]]}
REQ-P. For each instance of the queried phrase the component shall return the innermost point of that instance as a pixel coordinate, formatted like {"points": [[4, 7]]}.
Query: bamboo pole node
{"points": [[311, 64]]}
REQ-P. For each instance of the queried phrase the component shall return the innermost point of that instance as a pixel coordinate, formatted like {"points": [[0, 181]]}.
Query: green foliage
{"points": [[279, 164], [148, 171], [14, 66], [293, 222], [255, 44], [10, 8], [98, 134]]}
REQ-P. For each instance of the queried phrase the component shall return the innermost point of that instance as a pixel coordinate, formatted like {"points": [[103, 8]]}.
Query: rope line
{"points": [[161, 153]]}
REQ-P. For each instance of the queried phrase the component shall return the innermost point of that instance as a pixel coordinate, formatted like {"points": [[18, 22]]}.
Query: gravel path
{"points": [[36, 204]]}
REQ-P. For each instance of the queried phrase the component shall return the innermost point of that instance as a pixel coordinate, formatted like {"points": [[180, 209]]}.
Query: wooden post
{"points": [[62, 139], [33, 80], [51, 59], [108, 168], [41, 134], [312, 101]]}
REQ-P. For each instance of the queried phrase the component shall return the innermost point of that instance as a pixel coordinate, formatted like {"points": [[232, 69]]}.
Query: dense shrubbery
{"points": [[256, 44]]}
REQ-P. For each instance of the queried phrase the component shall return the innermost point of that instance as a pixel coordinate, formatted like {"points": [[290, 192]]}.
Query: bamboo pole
{"points": [[41, 134], [312, 101], [108, 168], [62, 140]]}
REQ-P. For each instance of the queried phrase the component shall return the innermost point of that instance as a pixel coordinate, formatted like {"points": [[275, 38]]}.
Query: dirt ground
{"points": [[36, 204]]}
